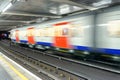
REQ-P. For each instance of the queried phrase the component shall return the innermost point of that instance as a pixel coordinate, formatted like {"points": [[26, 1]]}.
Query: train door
{"points": [[61, 38], [30, 35], [17, 36]]}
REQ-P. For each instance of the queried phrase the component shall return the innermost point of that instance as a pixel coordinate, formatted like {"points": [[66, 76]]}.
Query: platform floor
{"points": [[10, 70], [3, 74]]}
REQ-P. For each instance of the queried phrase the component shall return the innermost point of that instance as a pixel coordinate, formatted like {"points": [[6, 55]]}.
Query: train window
{"points": [[70, 29], [30, 32], [44, 32], [36, 31], [22, 33], [62, 29], [65, 31], [41, 32], [57, 31], [76, 30], [49, 32], [73, 32], [114, 28]]}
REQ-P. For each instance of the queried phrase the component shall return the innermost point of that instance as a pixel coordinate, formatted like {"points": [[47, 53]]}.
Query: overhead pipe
{"points": [[19, 13]]}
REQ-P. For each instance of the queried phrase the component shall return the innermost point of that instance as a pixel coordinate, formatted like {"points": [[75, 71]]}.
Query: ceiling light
{"points": [[102, 2], [7, 7], [22, 0], [116, 57]]}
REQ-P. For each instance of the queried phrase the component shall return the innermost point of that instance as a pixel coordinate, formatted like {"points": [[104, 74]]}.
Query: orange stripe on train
{"points": [[30, 35], [17, 36]]}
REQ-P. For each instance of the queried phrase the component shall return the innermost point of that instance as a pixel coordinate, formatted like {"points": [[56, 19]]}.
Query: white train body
{"points": [[108, 31], [84, 32]]}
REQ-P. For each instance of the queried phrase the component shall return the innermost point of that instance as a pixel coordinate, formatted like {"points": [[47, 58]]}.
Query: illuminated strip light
{"points": [[101, 25], [7, 7], [102, 2]]}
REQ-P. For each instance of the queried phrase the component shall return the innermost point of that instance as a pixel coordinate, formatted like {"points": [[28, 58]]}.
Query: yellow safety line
{"points": [[15, 70]]}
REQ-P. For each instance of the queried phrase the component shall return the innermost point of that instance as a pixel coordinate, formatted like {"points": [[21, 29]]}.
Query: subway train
{"points": [[4, 35], [85, 34]]}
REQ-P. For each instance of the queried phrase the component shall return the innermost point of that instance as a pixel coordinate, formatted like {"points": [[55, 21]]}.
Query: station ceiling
{"points": [[15, 13]]}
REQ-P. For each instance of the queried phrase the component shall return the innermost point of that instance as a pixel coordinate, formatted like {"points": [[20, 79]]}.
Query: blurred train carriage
{"points": [[90, 33]]}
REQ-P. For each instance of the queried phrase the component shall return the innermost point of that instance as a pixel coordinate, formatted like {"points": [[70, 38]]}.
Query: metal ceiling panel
{"points": [[31, 6], [27, 11]]}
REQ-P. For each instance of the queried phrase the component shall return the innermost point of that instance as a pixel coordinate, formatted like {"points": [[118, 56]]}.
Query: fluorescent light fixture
{"points": [[115, 57], [102, 2], [64, 9], [7, 7]]}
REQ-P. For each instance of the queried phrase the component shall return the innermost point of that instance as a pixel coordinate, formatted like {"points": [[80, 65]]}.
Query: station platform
{"points": [[10, 70]]}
